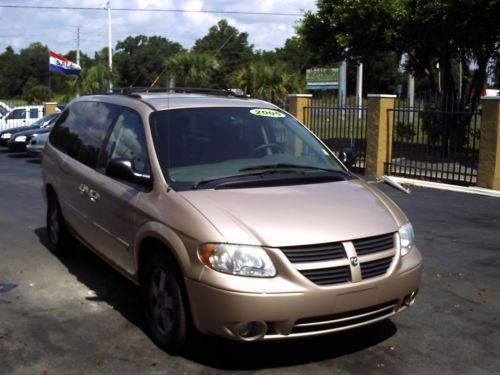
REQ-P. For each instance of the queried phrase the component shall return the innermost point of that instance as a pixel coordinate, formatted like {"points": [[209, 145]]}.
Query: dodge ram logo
{"points": [[354, 261]]}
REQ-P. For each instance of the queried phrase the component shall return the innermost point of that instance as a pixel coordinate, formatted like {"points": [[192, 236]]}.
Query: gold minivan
{"points": [[234, 219]]}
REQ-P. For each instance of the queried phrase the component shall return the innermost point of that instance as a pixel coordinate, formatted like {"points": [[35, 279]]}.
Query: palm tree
{"points": [[265, 81], [192, 69]]}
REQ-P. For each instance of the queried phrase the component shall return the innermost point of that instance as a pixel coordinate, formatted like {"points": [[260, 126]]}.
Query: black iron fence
{"points": [[435, 145], [339, 127]]}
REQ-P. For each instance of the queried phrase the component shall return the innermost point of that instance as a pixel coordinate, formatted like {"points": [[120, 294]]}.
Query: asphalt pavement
{"points": [[76, 315]]}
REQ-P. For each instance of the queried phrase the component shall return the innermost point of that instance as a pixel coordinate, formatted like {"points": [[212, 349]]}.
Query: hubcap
{"points": [[161, 301]]}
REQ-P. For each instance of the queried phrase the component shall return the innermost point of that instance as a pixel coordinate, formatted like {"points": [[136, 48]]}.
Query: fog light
{"points": [[245, 329], [250, 331]]}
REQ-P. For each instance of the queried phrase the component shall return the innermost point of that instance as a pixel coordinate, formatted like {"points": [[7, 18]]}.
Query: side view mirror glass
{"points": [[347, 156]]}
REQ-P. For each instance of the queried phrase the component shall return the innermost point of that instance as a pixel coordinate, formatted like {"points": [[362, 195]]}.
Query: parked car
{"points": [[7, 134], [20, 140], [21, 116], [37, 144], [234, 219]]}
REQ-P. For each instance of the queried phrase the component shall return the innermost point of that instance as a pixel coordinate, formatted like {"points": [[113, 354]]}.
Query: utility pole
{"points": [[110, 49], [359, 89], [78, 45]]}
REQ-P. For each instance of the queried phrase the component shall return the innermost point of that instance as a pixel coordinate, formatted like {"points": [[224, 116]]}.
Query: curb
{"points": [[441, 186]]}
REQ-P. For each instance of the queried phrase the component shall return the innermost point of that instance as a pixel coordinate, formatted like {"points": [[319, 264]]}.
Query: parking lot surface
{"points": [[76, 315]]}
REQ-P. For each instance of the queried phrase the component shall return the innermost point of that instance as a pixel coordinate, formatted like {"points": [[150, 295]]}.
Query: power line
{"points": [[49, 7]]}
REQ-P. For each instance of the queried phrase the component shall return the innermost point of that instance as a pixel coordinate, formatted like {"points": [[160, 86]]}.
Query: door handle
{"points": [[94, 196]]}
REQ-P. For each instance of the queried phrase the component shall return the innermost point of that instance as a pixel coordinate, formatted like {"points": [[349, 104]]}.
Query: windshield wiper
{"points": [[205, 181], [291, 166]]}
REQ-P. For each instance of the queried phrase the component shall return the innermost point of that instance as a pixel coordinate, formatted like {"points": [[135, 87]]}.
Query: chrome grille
{"points": [[344, 319], [375, 244], [328, 276], [375, 268], [375, 255], [314, 253]]}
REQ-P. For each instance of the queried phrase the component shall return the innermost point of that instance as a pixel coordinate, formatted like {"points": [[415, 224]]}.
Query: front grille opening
{"points": [[314, 253], [341, 320], [375, 244], [328, 276], [375, 268]]}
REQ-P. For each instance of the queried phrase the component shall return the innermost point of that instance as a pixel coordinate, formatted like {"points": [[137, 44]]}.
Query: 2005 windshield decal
{"points": [[266, 112]]}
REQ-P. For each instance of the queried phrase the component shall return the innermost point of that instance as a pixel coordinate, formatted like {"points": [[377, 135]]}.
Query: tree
{"points": [[140, 59], [192, 69], [427, 32], [266, 81], [229, 46]]}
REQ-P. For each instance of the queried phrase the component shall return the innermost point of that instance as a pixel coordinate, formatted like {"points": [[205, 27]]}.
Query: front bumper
{"points": [[309, 310]]}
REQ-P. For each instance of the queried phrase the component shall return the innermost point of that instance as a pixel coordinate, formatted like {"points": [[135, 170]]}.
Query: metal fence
{"points": [[338, 126], [435, 145]]}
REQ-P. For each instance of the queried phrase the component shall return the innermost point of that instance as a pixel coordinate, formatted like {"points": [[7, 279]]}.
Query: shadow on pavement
{"points": [[115, 290], [18, 155]]}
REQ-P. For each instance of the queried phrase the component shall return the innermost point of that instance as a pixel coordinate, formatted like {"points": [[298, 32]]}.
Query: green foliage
{"points": [[229, 46], [427, 32], [140, 59], [265, 81], [192, 69]]}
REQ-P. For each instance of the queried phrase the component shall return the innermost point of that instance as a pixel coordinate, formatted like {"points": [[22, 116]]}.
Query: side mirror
{"points": [[122, 169], [347, 156]]}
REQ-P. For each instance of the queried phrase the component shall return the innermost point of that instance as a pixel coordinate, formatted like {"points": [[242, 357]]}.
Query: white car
{"points": [[21, 115]]}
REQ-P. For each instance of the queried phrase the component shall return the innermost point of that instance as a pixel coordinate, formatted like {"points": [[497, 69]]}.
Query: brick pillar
{"points": [[297, 102], [49, 107], [488, 172], [379, 133]]}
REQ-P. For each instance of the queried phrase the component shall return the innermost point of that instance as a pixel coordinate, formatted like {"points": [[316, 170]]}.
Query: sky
{"points": [[57, 28]]}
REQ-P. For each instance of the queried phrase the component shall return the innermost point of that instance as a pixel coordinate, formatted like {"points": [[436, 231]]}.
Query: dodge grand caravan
{"points": [[232, 217]]}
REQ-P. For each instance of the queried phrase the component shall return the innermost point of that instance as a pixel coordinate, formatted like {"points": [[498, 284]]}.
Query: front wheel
{"points": [[165, 304], [59, 238]]}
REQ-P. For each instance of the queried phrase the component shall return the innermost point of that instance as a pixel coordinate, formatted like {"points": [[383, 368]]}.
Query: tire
{"points": [[60, 240], [165, 303]]}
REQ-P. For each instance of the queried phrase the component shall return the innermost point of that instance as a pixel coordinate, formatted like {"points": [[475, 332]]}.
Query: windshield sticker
{"points": [[266, 113]]}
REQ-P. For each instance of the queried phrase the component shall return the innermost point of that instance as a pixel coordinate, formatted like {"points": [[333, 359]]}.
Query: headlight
{"points": [[6, 135], [407, 238], [239, 260], [21, 138]]}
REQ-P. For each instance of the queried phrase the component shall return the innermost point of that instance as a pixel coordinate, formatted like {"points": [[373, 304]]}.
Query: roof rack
{"points": [[136, 91]]}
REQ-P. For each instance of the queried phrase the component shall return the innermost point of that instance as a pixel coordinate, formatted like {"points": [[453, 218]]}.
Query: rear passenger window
{"points": [[82, 130], [34, 113], [127, 141]]}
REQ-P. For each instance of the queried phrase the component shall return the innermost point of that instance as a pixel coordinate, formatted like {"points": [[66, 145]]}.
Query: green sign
{"points": [[322, 78]]}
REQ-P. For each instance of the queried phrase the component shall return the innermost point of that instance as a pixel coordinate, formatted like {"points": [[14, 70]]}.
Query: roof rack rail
{"points": [[135, 91]]}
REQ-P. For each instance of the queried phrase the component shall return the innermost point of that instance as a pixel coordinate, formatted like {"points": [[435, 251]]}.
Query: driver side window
{"points": [[127, 141]]}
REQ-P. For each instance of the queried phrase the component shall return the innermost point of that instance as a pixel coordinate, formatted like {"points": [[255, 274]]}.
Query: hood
{"points": [[298, 214], [33, 131]]}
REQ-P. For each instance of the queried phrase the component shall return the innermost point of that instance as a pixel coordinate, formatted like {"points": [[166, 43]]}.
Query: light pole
{"points": [[110, 48]]}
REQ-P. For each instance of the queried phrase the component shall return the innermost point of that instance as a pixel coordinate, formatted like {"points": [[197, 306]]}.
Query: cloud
{"points": [[57, 28]]}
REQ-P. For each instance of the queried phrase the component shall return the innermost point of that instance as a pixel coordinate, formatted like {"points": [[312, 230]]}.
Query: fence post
{"points": [[297, 102], [379, 133], [488, 171], [49, 107]]}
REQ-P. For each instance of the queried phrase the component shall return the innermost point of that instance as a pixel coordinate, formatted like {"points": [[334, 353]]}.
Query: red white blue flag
{"points": [[60, 64]]}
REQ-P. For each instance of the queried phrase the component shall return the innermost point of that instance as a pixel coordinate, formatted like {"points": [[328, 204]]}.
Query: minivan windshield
{"points": [[200, 145]]}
